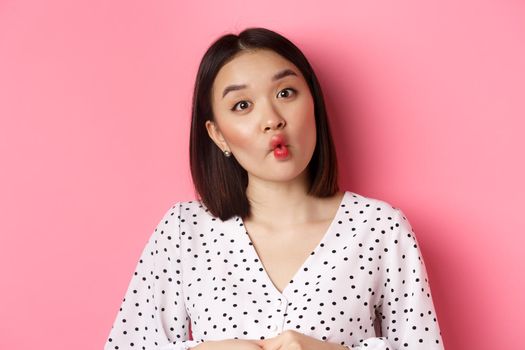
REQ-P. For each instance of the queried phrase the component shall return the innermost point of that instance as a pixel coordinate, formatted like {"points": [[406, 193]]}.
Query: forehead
{"points": [[252, 66]]}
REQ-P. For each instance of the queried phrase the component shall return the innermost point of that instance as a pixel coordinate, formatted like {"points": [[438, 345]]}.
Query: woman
{"points": [[273, 255]]}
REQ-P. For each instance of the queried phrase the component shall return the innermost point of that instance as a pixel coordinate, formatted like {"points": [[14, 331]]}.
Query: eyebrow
{"points": [[279, 75]]}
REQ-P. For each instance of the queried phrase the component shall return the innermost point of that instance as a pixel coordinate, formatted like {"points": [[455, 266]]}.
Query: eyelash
{"points": [[291, 89]]}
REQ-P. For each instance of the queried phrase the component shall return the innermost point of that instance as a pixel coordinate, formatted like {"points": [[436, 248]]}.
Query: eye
{"points": [[286, 92], [242, 104]]}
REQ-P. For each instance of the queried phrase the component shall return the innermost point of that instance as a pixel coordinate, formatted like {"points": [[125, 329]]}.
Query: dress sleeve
{"points": [[152, 315], [406, 311]]}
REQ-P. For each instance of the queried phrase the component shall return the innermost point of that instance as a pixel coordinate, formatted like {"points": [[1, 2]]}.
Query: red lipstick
{"points": [[278, 145]]}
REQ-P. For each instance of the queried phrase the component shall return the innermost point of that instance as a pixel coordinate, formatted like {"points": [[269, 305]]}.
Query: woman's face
{"points": [[264, 115]]}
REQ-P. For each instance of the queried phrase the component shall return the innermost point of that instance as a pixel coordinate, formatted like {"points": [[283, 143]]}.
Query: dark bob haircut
{"points": [[221, 181]]}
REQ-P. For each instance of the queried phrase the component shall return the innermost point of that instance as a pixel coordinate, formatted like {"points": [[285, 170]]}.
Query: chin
{"points": [[284, 175]]}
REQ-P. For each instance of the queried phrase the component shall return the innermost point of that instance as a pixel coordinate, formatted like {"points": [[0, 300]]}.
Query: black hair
{"points": [[221, 182]]}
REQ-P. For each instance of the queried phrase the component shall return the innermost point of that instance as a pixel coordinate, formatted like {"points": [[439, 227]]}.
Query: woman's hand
{"points": [[229, 344], [291, 340], [287, 340]]}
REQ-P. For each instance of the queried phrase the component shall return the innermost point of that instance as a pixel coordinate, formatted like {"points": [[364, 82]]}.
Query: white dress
{"points": [[199, 270]]}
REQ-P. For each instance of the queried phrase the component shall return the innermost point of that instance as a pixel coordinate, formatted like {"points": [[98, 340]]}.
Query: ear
{"points": [[216, 135]]}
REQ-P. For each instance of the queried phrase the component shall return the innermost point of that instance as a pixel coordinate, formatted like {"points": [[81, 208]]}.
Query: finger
{"points": [[292, 340], [259, 342], [274, 343]]}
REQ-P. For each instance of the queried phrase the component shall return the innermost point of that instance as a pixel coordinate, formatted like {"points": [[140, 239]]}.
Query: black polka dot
{"points": [[200, 278]]}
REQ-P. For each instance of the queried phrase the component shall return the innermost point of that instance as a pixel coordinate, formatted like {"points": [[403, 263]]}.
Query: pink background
{"points": [[426, 103]]}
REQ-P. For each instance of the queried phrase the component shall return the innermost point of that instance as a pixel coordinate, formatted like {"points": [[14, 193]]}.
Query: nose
{"points": [[273, 121]]}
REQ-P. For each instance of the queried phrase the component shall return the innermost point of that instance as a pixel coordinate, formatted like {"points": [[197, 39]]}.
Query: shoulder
{"points": [[190, 212], [380, 220], [364, 204], [192, 208], [376, 213], [182, 215]]}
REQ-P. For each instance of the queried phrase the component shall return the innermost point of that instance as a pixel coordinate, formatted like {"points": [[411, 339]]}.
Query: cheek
{"points": [[308, 133], [306, 116], [237, 135]]}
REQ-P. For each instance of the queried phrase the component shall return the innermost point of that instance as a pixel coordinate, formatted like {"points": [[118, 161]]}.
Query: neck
{"points": [[287, 202]]}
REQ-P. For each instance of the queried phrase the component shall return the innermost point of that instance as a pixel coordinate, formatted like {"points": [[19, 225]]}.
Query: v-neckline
{"points": [[306, 262]]}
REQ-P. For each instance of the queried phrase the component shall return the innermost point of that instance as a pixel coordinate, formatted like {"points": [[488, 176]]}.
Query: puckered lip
{"points": [[277, 140]]}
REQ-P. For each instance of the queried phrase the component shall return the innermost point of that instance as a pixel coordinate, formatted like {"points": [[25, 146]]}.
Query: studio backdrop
{"points": [[425, 100]]}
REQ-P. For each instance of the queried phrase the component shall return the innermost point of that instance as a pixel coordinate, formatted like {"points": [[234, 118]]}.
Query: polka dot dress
{"points": [[364, 285]]}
